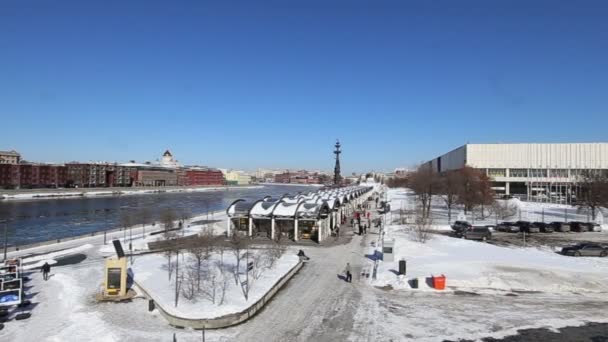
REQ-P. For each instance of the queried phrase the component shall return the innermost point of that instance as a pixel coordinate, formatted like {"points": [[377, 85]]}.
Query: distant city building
{"points": [[301, 177], [29, 175], [94, 175], [266, 175], [15, 174], [155, 177], [534, 171], [10, 157], [234, 177], [10, 177], [203, 176]]}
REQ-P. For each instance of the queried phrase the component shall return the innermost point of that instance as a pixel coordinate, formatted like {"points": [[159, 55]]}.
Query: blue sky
{"points": [[272, 84]]}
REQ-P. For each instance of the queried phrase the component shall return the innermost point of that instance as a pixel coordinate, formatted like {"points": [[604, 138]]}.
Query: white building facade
{"points": [[543, 172]]}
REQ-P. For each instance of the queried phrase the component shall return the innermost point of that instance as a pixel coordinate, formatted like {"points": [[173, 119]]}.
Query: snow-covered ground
{"points": [[316, 305], [150, 272], [84, 193], [481, 267]]}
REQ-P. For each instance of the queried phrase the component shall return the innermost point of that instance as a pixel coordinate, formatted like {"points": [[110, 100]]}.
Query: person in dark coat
{"points": [[46, 269], [349, 276]]}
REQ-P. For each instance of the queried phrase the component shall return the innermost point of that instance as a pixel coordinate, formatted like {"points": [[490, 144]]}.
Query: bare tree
{"points": [[475, 189], [275, 252], [260, 262], [200, 249], [424, 183], [168, 218], [593, 191], [486, 194], [504, 210], [190, 283], [144, 216], [210, 281], [449, 187], [422, 228], [184, 216], [126, 221], [238, 246]]}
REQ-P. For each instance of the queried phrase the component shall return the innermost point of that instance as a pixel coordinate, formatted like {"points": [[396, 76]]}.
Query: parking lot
{"points": [[553, 240]]}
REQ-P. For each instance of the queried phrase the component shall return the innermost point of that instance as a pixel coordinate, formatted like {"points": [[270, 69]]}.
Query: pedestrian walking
{"points": [[349, 276], [46, 269], [376, 202], [337, 232]]}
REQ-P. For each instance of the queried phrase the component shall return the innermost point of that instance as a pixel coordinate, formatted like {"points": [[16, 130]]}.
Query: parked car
{"points": [[543, 227], [459, 226], [482, 233], [526, 227], [509, 227], [578, 227], [560, 226], [594, 227], [586, 249]]}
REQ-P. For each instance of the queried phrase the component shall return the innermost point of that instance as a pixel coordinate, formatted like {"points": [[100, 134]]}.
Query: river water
{"points": [[50, 219]]}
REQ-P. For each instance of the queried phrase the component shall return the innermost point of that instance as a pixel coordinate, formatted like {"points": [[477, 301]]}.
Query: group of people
{"points": [[357, 220]]}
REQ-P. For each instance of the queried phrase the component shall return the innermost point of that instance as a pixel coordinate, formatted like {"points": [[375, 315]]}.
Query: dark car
{"points": [[482, 233], [586, 249], [578, 227], [543, 227], [509, 227], [560, 226], [460, 226], [527, 227]]}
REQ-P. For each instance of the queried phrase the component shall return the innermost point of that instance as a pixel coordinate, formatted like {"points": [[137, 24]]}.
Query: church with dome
{"points": [[167, 160]]}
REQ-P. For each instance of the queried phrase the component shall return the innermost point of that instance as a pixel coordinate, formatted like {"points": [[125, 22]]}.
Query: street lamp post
{"points": [[5, 238]]}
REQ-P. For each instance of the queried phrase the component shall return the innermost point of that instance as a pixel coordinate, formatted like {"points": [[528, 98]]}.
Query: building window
{"points": [[523, 173], [558, 173], [497, 172], [538, 173]]}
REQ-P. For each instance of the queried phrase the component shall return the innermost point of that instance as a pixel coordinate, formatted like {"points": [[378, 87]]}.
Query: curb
{"points": [[226, 320]]}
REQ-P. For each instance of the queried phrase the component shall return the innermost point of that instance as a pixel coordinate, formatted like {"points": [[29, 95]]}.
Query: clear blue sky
{"points": [[272, 84]]}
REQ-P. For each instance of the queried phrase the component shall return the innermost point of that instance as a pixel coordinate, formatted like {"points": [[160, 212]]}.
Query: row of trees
{"points": [[593, 191], [467, 187]]}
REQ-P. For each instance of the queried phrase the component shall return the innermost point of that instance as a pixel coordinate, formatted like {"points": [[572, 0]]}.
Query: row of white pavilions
{"points": [[312, 215]]}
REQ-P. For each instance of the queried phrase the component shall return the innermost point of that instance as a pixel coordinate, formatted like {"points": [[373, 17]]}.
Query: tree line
{"points": [[471, 188]]}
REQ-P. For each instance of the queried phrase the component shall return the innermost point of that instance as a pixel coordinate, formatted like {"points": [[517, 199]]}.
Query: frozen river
{"points": [[49, 219]]}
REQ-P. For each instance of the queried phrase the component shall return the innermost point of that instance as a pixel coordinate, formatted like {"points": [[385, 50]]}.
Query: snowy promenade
{"points": [[315, 305]]}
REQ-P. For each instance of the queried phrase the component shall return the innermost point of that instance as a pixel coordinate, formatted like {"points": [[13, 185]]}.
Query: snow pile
{"points": [[150, 272], [37, 261], [472, 265]]}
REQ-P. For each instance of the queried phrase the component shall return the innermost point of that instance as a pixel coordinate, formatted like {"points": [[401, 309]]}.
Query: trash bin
{"points": [[402, 267], [414, 283], [439, 282]]}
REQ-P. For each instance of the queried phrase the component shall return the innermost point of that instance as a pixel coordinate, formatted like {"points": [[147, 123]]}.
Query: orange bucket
{"points": [[439, 282]]}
